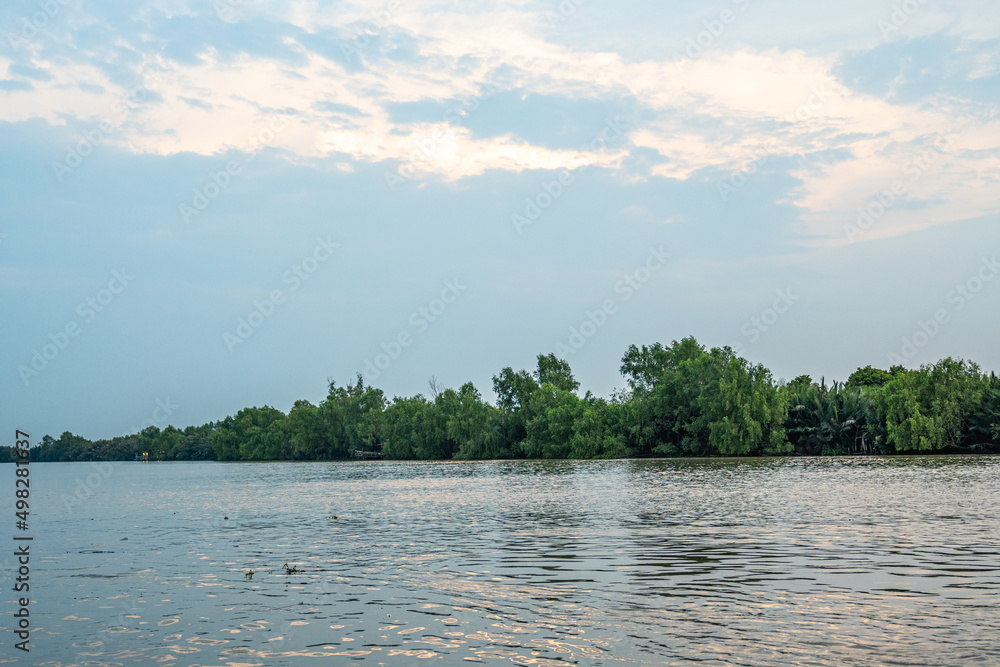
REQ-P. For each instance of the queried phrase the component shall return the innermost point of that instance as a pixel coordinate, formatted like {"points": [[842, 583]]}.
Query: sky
{"points": [[216, 204]]}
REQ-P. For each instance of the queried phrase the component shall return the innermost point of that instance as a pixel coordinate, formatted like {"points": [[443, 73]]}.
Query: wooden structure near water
{"points": [[366, 455]]}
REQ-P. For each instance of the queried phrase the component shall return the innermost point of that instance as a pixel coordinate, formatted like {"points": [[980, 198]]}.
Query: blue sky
{"points": [[217, 204]]}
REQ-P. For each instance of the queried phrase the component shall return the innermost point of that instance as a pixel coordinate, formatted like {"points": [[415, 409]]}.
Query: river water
{"points": [[798, 561]]}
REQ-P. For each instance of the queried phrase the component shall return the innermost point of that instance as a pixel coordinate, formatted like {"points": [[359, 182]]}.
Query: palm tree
{"points": [[832, 420]]}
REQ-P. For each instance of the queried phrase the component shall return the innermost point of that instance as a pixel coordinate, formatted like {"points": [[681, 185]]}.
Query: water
{"points": [[859, 561]]}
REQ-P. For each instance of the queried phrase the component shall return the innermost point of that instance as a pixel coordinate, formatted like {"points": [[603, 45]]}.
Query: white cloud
{"points": [[711, 112]]}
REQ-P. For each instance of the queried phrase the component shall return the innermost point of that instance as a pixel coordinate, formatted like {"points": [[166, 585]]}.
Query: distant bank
{"points": [[681, 400]]}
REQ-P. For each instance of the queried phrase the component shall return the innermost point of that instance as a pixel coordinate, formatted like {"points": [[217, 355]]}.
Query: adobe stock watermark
{"points": [[272, 648], [420, 321], [293, 278], [226, 9], [369, 30], [534, 206], [88, 310], [818, 97], [901, 15], [564, 10], [746, 168], [619, 643], [88, 485], [33, 24], [121, 626], [595, 320], [549, 191], [218, 181], [159, 417], [758, 325], [8, 567], [121, 109], [426, 146], [915, 168], [958, 298], [751, 164], [613, 129], [705, 39]]}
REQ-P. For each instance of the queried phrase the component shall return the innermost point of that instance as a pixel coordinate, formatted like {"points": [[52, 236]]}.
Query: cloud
{"points": [[805, 111], [404, 86], [198, 104], [12, 85]]}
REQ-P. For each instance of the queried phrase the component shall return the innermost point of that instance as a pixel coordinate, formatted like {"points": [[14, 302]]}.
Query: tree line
{"points": [[680, 400]]}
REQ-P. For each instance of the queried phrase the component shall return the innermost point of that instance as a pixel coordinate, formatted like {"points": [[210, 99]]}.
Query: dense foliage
{"points": [[680, 400], [192, 444]]}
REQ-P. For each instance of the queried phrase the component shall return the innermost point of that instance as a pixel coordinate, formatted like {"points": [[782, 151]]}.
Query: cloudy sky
{"points": [[211, 204]]}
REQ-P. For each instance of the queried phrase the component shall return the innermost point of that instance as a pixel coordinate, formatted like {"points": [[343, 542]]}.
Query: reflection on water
{"points": [[727, 562]]}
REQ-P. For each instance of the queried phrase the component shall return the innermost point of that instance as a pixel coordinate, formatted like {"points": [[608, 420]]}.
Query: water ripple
{"points": [[721, 562]]}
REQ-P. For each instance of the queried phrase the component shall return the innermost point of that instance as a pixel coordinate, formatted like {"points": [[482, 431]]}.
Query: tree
{"points": [[550, 430], [167, 443], [661, 414], [225, 441], [555, 372], [869, 377], [743, 410], [254, 434], [513, 390], [834, 420], [470, 425], [599, 432], [410, 429], [984, 421], [929, 409], [69, 447], [197, 445], [801, 381], [351, 419], [434, 387], [306, 432], [704, 403], [644, 367]]}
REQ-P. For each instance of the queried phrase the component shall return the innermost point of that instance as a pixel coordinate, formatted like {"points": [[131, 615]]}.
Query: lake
{"points": [[804, 561]]}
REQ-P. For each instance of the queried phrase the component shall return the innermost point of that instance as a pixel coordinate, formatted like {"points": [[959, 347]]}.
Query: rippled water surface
{"points": [[860, 561]]}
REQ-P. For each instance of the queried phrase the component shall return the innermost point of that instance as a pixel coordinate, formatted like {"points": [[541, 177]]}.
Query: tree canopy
{"points": [[680, 400]]}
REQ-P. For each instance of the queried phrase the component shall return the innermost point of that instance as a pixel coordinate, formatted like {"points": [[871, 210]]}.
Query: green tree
{"points": [[556, 372], [167, 443], [833, 420], [254, 434], [514, 392], [868, 377], [352, 419], [306, 432], [704, 404], [551, 427], [406, 428], [742, 409], [801, 381], [644, 367], [929, 409], [197, 445], [599, 431], [984, 421], [225, 441], [472, 426]]}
